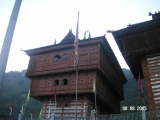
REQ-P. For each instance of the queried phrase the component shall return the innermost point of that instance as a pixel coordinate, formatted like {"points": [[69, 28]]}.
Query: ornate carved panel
{"points": [[48, 83], [91, 79], [72, 81], [82, 80], [41, 83]]}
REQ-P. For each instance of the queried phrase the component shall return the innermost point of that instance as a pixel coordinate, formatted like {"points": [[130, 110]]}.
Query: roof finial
{"points": [[129, 25], [150, 14], [85, 34], [89, 36], [155, 16], [110, 31], [55, 42], [70, 30]]}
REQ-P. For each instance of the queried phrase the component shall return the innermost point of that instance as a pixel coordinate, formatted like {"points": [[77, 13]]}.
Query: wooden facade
{"points": [[52, 67], [140, 47]]}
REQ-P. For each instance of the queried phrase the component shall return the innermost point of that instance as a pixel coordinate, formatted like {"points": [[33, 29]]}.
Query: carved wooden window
{"points": [[65, 56], [56, 57], [65, 81], [56, 82]]}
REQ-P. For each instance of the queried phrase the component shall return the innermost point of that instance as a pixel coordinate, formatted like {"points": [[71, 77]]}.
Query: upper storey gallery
{"points": [[94, 53]]}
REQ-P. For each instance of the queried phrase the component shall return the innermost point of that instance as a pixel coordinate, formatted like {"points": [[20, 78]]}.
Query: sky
{"points": [[41, 22]]}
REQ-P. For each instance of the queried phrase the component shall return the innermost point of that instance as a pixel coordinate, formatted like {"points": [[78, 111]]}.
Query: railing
{"points": [[125, 116]]}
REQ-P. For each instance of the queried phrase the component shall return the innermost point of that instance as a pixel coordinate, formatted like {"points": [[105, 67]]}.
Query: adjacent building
{"points": [[140, 46]]}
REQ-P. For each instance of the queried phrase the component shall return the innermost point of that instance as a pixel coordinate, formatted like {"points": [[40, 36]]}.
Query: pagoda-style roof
{"points": [[70, 37], [137, 40], [134, 30]]}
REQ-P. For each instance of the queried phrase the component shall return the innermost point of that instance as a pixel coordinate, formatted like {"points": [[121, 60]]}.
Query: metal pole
{"points": [[143, 115], [49, 109], [143, 111], [20, 116], [7, 41], [76, 88], [95, 98], [77, 64], [55, 105], [143, 97]]}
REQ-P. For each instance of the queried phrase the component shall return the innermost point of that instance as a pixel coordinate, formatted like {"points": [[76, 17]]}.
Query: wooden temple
{"points": [[100, 77], [140, 47]]}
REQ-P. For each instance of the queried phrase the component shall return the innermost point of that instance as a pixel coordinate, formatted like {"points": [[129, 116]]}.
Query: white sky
{"points": [[40, 22]]}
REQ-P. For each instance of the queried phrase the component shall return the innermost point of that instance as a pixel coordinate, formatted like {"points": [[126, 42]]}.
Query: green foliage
{"points": [[15, 88], [132, 94]]}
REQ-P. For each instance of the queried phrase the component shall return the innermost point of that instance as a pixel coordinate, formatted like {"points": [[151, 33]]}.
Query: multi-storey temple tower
{"points": [[140, 47], [100, 78]]}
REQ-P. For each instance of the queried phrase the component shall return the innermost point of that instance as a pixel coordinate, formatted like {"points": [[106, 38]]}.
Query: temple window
{"points": [[56, 82], [65, 81], [56, 57]]}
